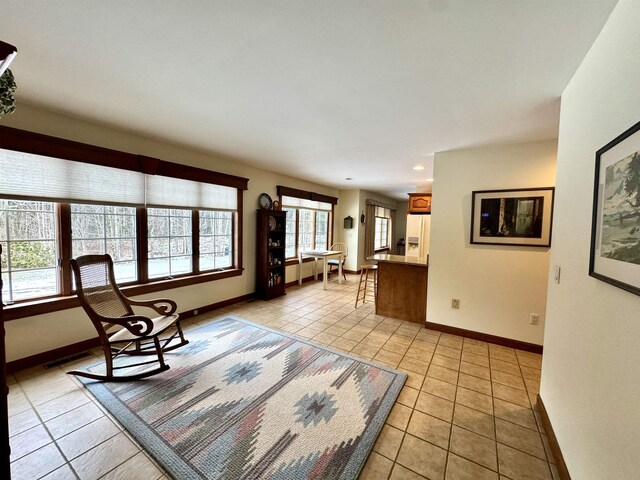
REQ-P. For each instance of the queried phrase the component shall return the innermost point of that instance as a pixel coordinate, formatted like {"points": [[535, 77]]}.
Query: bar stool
{"points": [[364, 286]]}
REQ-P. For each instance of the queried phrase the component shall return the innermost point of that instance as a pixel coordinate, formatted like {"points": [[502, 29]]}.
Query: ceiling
{"points": [[320, 90]]}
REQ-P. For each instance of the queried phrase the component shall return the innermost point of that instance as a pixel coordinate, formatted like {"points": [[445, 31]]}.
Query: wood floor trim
{"points": [[76, 348], [553, 442], [52, 355], [485, 337]]}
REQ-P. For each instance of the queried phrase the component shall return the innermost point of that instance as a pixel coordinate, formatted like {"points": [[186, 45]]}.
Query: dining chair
{"points": [[335, 262]]}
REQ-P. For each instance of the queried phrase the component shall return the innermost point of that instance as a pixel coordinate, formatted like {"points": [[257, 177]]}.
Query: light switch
{"points": [[556, 274]]}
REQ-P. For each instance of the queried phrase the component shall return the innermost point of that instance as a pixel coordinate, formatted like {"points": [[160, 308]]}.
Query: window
{"points": [[29, 249], [216, 240], [382, 228], [305, 230], [169, 242], [100, 229], [157, 220], [307, 221], [290, 241], [322, 230]]}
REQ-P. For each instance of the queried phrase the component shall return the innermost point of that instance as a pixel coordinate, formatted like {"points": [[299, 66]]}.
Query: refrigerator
{"points": [[417, 238]]}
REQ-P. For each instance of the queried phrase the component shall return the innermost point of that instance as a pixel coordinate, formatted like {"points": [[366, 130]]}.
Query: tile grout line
{"points": [[43, 423]]}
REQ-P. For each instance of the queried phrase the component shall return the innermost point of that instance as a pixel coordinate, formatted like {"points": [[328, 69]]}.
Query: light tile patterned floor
{"points": [[467, 410]]}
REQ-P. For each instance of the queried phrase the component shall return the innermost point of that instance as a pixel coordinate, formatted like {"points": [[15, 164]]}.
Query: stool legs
{"points": [[364, 286], [362, 275]]}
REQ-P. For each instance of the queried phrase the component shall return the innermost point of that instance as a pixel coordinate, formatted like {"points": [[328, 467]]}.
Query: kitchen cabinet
{"points": [[420, 203], [402, 287]]}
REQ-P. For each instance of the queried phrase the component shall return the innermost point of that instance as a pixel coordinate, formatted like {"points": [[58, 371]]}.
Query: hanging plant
{"points": [[7, 89]]}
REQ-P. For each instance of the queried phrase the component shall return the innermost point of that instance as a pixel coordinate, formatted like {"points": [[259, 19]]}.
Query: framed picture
{"points": [[520, 217], [615, 229]]}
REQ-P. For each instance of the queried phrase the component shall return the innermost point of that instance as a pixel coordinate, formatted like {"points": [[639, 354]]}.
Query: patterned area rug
{"points": [[242, 401]]}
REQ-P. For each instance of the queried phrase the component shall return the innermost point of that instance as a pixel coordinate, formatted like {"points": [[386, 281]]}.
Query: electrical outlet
{"points": [[534, 318], [455, 303], [195, 312], [556, 274]]}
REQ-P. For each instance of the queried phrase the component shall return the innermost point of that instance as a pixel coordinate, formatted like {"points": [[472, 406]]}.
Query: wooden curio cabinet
{"points": [[270, 255], [419, 203]]}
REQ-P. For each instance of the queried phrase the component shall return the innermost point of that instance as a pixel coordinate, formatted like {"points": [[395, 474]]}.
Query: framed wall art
{"points": [[615, 228], [520, 217]]}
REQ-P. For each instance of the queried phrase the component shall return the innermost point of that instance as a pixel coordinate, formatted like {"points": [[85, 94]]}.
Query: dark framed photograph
{"points": [[520, 217], [615, 228]]}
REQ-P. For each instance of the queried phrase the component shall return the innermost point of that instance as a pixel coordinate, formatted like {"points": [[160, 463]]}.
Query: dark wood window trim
{"points": [[48, 146], [54, 304], [38, 144], [295, 192], [313, 235], [195, 241], [331, 219], [67, 298], [237, 226], [318, 197], [142, 242], [64, 247]]}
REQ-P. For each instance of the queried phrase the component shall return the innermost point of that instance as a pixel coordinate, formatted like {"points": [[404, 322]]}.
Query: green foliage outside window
{"points": [[32, 255]]}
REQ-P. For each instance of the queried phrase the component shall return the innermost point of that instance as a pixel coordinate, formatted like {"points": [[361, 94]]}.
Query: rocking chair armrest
{"points": [[136, 324], [162, 306]]}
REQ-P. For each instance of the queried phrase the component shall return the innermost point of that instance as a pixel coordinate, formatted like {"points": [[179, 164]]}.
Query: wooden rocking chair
{"points": [[108, 308]]}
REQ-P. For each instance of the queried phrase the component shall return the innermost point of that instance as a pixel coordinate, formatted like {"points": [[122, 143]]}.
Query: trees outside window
{"points": [[306, 230], [290, 241], [216, 239], [100, 229], [169, 242], [29, 249], [165, 224], [322, 230]]}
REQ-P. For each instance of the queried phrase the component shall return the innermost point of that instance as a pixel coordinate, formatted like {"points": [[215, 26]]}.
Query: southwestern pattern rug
{"points": [[242, 401]]}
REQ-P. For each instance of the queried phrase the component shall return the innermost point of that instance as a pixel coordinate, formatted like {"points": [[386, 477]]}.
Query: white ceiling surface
{"points": [[320, 90]]}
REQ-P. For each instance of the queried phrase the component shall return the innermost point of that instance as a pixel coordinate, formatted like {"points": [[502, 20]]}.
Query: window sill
{"points": [[39, 307], [294, 261]]}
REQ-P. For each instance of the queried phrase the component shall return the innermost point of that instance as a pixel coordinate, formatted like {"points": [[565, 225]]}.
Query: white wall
{"points": [[401, 221], [29, 336], [591, 365], [498, 286], [349, 205]]}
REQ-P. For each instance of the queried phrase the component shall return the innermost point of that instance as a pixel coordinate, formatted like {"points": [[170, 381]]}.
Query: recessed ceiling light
{"points": [[418, 167], [429, 179]]}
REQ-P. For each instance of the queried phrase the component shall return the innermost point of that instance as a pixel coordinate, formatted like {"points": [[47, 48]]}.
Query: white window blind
{"points": [[303, 203], [35, 177], [383, 212], [175, 192]]}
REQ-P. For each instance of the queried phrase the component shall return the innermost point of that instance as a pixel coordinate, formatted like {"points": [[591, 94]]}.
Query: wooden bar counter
{"points": [[402, 287]]}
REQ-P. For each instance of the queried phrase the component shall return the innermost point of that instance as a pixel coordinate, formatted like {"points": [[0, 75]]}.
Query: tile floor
{"points": [[467, 411]]}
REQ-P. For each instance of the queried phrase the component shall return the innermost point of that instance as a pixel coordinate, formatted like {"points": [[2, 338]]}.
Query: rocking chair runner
{"points": [[108, 308]]}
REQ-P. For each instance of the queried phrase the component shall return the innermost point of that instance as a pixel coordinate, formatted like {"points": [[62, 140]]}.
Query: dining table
{"points": [[323, 255]]}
